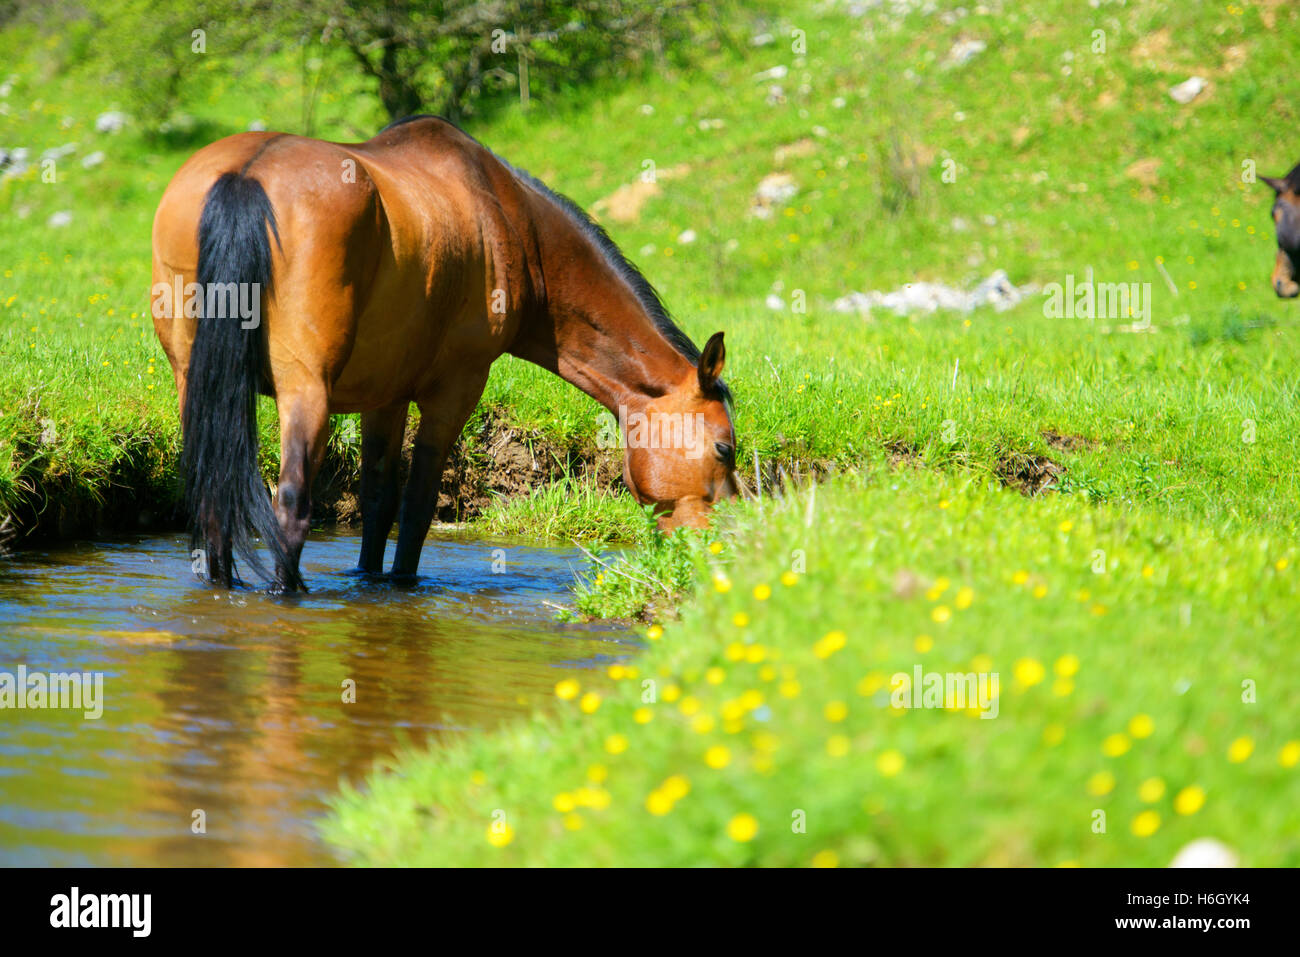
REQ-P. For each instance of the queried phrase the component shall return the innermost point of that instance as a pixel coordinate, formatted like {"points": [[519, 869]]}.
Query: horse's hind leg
{"points": [[381, 455], [304, 429]]}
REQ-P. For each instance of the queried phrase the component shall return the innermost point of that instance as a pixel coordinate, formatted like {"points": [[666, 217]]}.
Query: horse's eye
{"points": [[725, 452]]}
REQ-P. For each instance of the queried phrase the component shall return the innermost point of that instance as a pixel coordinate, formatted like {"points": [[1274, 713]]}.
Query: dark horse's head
{"points": [[1286, 217]]}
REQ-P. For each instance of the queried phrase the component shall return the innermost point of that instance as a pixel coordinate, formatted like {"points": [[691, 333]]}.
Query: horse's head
{"points": [[1286, 217], [681, 449]]}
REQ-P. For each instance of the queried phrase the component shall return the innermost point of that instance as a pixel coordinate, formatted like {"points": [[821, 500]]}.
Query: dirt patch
{"points": [[1029, 475], [1064, 442], [491, 461], [903, 454]]}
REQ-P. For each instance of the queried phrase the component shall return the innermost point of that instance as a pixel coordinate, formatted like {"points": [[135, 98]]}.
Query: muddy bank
{"points": [[493, 460]]}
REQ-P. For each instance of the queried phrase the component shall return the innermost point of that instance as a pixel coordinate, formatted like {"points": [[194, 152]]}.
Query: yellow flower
{"points": [[941, 613], [616, 671], [1062, 687], [742, 828], [735, 651], [755, 653], [826, 859], [676, 787], [1189, 800], [1141, 726], [1066, 525], [717, 757], [789, 578], [1115, 745], [740, 619], [1028, 672], [762, 592], [672, 693], [789, 689], [567, 689], [982, 664], [722, 583], [616, 743], [1067, 666], [590, 703], [715, 547], [564, 802], [658, 803], [838, 745], [923, 643], [829, 643], [643, 715], [1146, 824], [573, 822], [1020, 577], [500, 836], [689, 706], [1289, 756], [655, 633], [1151, 790], [870, 684], [703, 723], [1101, 783], [1241, 749], [836, 711], [965, 595], [597, 773], [1281, 564], [1040, 591], [890, 762]]}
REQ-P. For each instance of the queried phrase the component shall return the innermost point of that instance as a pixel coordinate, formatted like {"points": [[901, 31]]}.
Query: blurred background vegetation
{"points": [[452, 58]]}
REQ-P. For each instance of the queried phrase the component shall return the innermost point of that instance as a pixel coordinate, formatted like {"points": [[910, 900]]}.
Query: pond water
{"points": [[232, 703]]}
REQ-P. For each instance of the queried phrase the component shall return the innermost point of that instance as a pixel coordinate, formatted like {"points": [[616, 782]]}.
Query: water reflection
{"points": [[233, 703]]}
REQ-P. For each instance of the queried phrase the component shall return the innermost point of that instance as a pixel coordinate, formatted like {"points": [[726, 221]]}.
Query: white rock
{"points": [[258, 126], [59, 220], [686, 236], [110, 122], [963, 51], [1188, 90], [1205, 852], [774, 302]]}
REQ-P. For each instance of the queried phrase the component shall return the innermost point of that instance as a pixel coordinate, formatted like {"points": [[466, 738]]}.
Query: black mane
{"points": [[641, 287]]}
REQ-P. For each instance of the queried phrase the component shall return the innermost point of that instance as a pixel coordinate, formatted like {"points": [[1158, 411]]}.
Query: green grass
{"points": [[1179, 618], [1182, 462]]}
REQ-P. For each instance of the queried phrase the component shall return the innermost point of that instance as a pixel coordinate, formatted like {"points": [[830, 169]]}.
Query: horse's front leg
{"points": [[442, 416], [381, 455], [304, 428]]}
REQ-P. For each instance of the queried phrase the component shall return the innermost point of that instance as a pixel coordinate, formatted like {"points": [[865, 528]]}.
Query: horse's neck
{"points": [[594, 332]]}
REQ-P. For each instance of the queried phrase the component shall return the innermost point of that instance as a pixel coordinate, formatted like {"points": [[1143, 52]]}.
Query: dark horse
{"points": [[364, 277], [1286, 217]]}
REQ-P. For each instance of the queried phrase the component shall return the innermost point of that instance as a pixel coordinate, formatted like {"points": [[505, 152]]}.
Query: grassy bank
{"points": [[1122, 689]]}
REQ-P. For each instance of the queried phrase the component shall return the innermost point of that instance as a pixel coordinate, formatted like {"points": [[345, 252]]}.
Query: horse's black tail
{"points": [[227, 500]]}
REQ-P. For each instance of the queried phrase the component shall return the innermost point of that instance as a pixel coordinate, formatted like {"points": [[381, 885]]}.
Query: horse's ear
{"points": [[1279, 184], [711, 362]]}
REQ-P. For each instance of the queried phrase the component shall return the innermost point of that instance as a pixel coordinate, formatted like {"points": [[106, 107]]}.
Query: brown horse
{"points": [[1286, 217], [364, 277]]}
